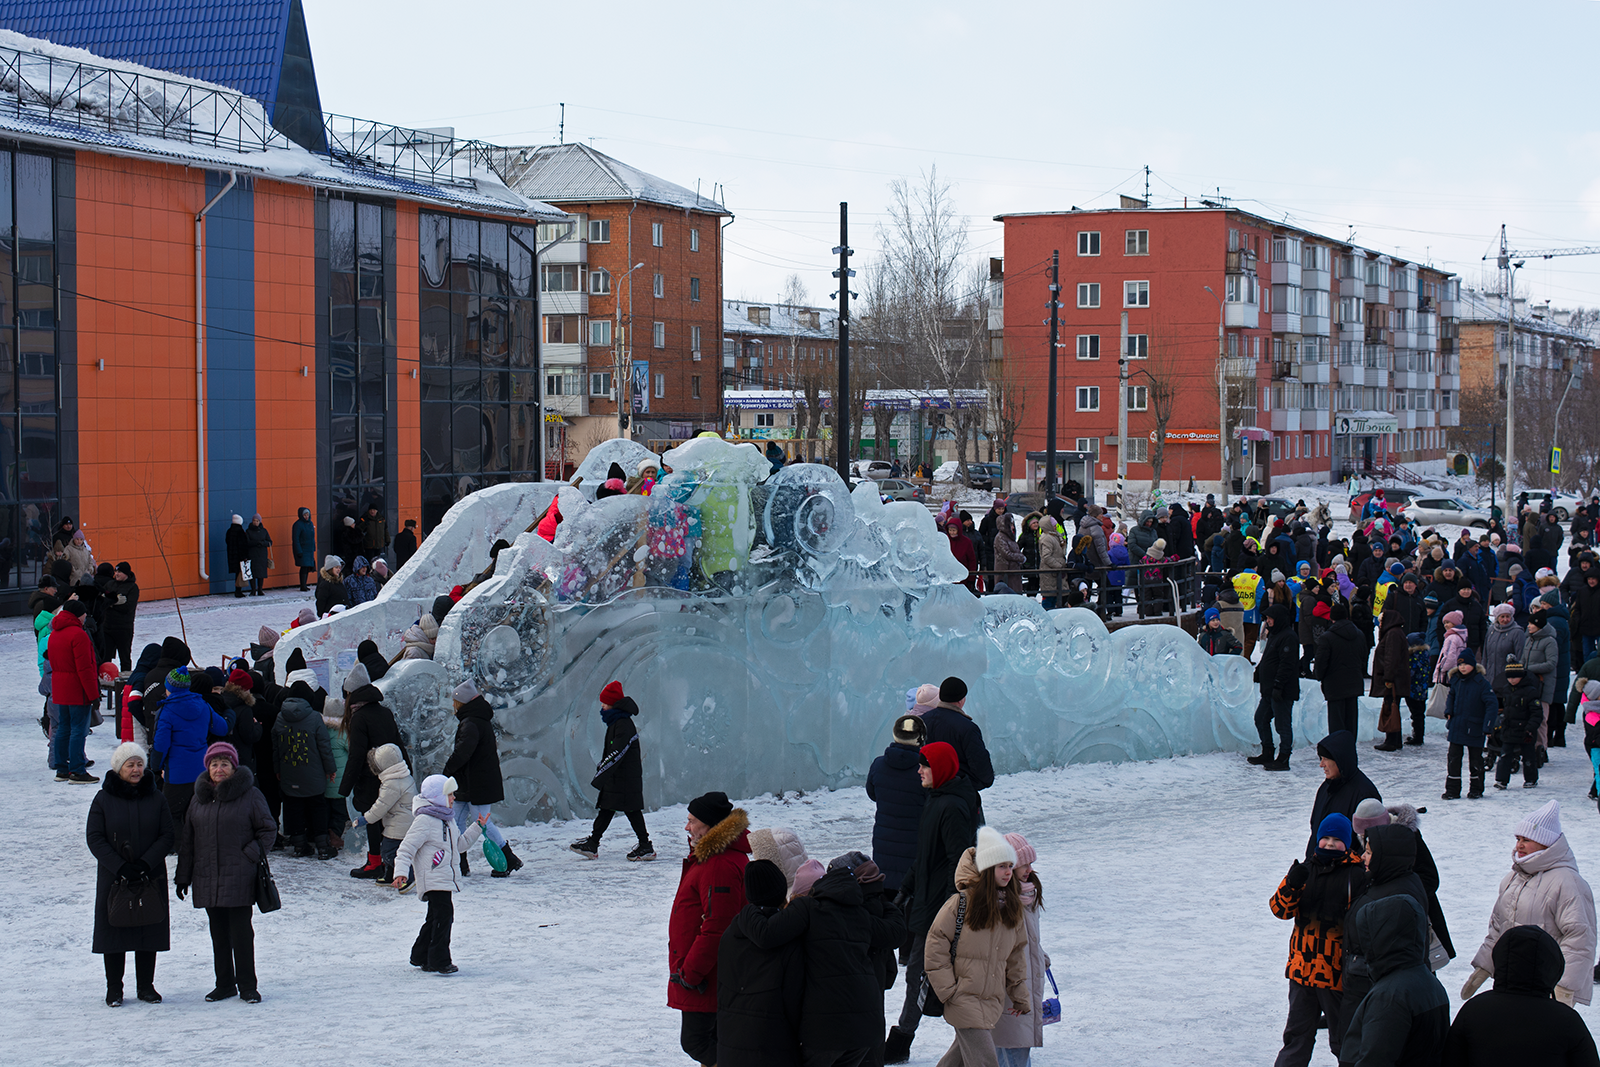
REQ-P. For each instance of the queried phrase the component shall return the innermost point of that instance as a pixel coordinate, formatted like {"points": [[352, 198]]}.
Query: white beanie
{"points": [[302, 675], [993, 848], [126, 751], [466, 691], [1543, 826]]}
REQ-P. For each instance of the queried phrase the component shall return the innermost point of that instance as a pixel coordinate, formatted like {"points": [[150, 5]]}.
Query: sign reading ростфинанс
{"points": [[1359, 423]]}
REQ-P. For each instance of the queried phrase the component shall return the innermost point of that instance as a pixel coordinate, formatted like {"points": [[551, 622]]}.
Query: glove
{"points": [[677, 978], [1566, 996], [1298, 875], [182, 889], [360, 821], [1479, 976], [122, 598], [133, 871]]}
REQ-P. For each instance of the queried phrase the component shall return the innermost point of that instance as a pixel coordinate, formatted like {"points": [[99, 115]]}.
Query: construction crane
{"points": [[1509, 262]]}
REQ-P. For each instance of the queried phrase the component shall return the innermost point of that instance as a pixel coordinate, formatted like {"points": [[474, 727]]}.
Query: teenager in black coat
{"points": [[475, 765], [1521, 1021], [893, 784], [371, 726], [619, 776], [759, 990], [1343, 788], [1391, 856], [948, 721]]}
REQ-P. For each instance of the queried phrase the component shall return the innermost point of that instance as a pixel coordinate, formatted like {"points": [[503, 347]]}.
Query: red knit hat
{"points": [[611, 694], [941, 758], [241, 679]]}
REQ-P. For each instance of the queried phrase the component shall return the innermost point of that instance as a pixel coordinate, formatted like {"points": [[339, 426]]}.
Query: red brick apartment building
{"points": [[1337, 358]]}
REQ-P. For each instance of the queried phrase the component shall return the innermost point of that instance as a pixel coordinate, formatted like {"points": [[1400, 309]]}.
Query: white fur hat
{"points": [[993, 848], [126, 751]]}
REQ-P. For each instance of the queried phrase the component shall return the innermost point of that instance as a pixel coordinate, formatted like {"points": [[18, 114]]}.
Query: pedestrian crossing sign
{"points": [[1555, 461]]}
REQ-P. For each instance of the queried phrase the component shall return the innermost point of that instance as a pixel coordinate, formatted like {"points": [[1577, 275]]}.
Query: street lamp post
{"points": [[1511, 382], [1222, 400], [620, 378]]}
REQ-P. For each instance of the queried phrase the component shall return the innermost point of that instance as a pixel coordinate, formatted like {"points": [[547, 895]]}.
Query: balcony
{"points": [[1285, 274], [1315, 325], [1450, 418], [1316, 279], [564, 303], [564, 354], [1241, 261], [1238, 313], [1238, 368], [1448, 346], [1283, 369], [1353, 374], [1376, 357], [1286, 322], [572, 250], [1352, 287], [1376, 335], [1377, 294], [1313, 373], [1405, 298]]}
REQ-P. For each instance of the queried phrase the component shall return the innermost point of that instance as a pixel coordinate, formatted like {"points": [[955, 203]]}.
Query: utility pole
{"points": [[1122, 418], [1222, 401], [1050, 418], [841, 398], [623, 369], [1511, 365]]}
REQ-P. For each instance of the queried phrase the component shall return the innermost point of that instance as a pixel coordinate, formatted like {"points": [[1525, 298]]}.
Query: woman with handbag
{"points": [[976, 955], [1016, 1036], [222, 849], [130, 831]]}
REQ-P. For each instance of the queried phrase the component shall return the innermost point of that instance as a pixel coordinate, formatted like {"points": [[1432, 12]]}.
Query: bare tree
{"points": [[161, 514], [1008, 402], [1159, 376]]}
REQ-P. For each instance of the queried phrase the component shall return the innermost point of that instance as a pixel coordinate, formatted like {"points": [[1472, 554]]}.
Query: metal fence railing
{"points": [[1151, 589]]}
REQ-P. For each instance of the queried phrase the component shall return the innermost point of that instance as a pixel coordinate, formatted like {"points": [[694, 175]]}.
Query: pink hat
{"points": [[223, 749], [1025, 853], [806, 877], [1453, 618]]}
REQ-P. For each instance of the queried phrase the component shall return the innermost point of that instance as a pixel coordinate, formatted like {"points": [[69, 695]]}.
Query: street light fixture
{"points": [[619, 380]]}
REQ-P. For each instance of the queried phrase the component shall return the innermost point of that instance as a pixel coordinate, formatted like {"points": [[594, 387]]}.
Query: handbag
{"points": [[1438, 955], [1052, 1005], [141, 903], [1438, 696], [927, 1000], [267, 898]]}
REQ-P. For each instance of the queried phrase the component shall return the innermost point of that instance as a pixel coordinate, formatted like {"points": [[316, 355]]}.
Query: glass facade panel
{"points": [[360, 350], [341, 235]]}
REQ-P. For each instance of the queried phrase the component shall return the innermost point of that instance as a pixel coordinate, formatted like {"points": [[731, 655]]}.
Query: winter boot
{"points": [[302, 847], [466, 871], [114, 995], [512, 862], [1391, 743], [1475, 789], [326, 851], [373, 869], [588, 848], [1452, 789], [1261, 760], [387, 878], [1279, 764], [644, 851], [280, 844], [897, 1046], [149, 995]]}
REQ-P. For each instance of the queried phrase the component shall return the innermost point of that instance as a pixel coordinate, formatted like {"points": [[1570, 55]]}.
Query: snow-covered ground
{"points": [[1156, 877]]}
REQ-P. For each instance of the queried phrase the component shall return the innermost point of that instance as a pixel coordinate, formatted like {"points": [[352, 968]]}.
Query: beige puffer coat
{"points": [[1052, 557], [1027, 1031], [1545, 890], [779, 845], [990, 968], [395, 792]]}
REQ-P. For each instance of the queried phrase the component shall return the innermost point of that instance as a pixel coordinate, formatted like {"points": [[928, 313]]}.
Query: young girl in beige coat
{"points": [[981, 970], [1016, 1036]]}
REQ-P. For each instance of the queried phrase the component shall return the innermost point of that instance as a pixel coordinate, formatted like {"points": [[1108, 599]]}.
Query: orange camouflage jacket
{"points": [[1316, 948]]}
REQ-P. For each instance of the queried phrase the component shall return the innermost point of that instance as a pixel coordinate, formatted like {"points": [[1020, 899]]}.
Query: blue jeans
{"points": [[1590, 644], [1012, 1057], [72, 726], [465, 813]]}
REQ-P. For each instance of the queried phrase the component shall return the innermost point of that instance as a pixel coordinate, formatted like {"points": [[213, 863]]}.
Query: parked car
{"points": [[1430, 510], [1394, 500], [900, 489], [1561, 505], [985, 475], [876, 469]]}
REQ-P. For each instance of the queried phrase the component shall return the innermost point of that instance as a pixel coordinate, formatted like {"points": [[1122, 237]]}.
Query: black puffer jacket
{"points": [[1341, 660], [371, 726], [620, 775], [226, 832], [1344, 793], [121, 600], [1520, 1022], [129, 821], [475, 762], [244, 731], [1394, 855], [948, 827], [302, 752], [759, 992], [892, 784], [1405, 1016], [1278, 673], [844, 926]]}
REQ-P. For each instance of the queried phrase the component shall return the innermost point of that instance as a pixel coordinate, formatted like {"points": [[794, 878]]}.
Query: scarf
{"points": [[441, 812], [612, 714], [1028, 892]]}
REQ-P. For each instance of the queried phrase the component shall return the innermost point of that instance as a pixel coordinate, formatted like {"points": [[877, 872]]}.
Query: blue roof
{"points": [[236, 43]]}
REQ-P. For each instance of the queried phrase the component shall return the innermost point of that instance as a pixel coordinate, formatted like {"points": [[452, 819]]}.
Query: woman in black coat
{"points": [[759, 991], [238, 547], [619, 776], [475, 765], [371, 725], [226, 834], [1390, 857], [130, 832], [259, 542]]}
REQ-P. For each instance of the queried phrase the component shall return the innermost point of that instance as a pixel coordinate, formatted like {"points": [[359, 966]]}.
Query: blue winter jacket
{"points": [[1471, 709], [183, 729], [1119, 558], [304, 540], [893, 784]]}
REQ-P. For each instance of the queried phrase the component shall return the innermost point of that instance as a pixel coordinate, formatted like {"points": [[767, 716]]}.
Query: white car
{"points": [[1433, 510], [1561, 505], [876, 469]]}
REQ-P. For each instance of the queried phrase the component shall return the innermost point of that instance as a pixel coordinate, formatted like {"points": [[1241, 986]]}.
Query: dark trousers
{"points": [[375, 837], [699, 1036], [178, 795], [431, 949], [304, 573], [813, 1057], [911, 1012], [338, 814], [257, 576], [1452, 781], [233, 948], [144, 969], [603, 819], [1342, 713], [1307, 1006], [305, 816], [1419, 718], [1508, 759], [120, 644], [1272, 711]]}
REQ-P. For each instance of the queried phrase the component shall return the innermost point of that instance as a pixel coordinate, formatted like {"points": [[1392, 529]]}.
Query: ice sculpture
{"points": [[769, 632], [622, 451]]}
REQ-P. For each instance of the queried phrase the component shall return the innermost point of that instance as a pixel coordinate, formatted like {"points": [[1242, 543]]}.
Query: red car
{"points": [[1393, 501]]}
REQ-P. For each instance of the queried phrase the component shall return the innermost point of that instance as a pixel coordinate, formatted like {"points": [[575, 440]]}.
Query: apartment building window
{"points": [[694, 341], [1138, 346], [1315, 257], [1088, 294], [1286, 299], [658, 334], [661, 386], [600, 383], [657, 236], [759, 315], [1277, 448], [1135, 294], [1138, 398], [1137, 243], [599, 281], [658, 286], [1088, 444], [1088, 346], [694, 289], [1233, 346], [1089, 243], [694, 386], [563, 383], [600, 332], [561, 278], [694, 240], [1138, 450], [1314, 302], [599, 231], [563, 329], [1088, 398], [1240, 288]]}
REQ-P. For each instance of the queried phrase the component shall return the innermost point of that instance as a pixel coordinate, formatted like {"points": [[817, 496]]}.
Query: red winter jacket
{"points": [[710, 894], [74, 677]]}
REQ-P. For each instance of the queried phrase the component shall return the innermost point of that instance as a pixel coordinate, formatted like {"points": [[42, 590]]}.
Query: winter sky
{"points": [[1423, 126]]}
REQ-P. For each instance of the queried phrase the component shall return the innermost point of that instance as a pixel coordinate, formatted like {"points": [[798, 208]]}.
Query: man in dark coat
{"points": [[1211, 520], [1370, 569], [405, 543], [759, 991], [1405, 1016], [475, 765], [1474, 616], [948, 827], [1344, 786], [374, 533], [371, 726], [1406, 598], [121, 603], [619, 776], [1278, 675], [1520, 1021], [948, 721], [895, 787]]}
